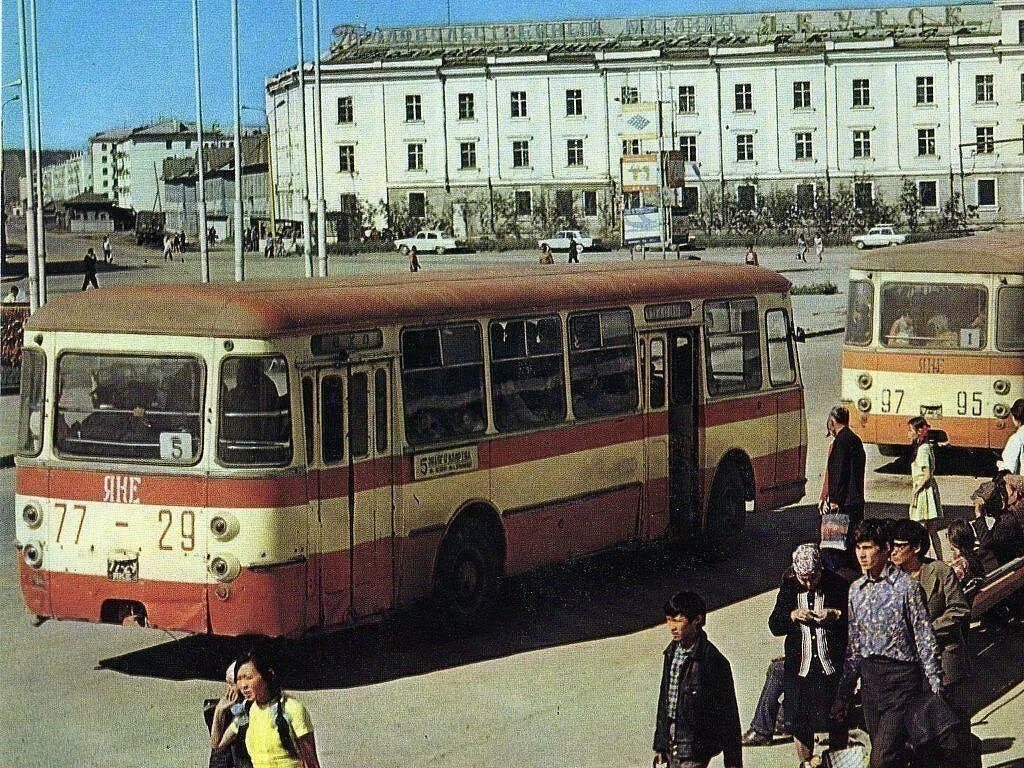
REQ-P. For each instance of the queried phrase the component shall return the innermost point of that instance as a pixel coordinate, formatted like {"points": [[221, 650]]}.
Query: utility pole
{"points": [[318, 146], [30, 230], [36, 106], [300, 71], [239, 254], [204, 253]]}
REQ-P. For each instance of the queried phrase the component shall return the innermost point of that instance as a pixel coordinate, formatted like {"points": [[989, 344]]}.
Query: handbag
{"points": [[834, 528], [851, 757]]}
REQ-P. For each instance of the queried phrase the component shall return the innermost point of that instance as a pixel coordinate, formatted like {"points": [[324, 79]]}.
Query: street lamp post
{"points": [[271, 192], [238, 220], [36, 108], [30, 234], [300, 72], [318, 146], [3, 205], [204, 253]]}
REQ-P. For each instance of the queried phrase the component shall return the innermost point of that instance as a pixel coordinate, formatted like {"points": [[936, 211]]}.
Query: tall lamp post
{"points": [[300, 71], [204, 253], [3, 204], [238, 220], [271, 192], [30, 204], [36, 108], [318, 146]]}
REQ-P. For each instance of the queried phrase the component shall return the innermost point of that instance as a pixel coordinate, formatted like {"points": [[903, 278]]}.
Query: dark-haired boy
{"points": [[890, 643], [697, 712]]}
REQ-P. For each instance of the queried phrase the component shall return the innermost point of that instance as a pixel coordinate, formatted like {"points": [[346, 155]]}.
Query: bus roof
{"points": [[269, 308], [995, 252]]}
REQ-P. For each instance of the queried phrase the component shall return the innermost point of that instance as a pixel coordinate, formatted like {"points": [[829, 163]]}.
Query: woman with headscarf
{"points": [[810, 612]]}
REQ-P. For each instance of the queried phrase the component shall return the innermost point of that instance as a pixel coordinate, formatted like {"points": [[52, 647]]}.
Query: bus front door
{"points": [[682, 431]]}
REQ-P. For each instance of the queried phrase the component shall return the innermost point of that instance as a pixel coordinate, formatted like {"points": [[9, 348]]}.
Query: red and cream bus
{"points": [[278, 457], [936, 329]]}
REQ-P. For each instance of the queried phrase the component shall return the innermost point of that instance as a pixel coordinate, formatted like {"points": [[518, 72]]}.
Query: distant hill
{"points": [[14, 168]]}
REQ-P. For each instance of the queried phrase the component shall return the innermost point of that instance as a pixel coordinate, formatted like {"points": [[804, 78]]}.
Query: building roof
{"points": [[219, 160], [117, 134], [264, 309], [88, 199], [997, 252]]}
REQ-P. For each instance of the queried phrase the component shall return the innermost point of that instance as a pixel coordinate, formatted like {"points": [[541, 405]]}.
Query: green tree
{"points": [[910, 205]]}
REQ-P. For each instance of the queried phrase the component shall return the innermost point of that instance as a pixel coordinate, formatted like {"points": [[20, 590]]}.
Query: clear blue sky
{"points": [[114, 63]]}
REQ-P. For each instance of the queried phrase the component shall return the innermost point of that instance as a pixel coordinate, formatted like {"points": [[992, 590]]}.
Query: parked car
{"points": [[427, 240], [560, 241], [883, 234]]}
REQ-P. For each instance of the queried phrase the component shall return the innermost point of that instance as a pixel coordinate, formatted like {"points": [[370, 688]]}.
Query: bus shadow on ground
{"points": [[62, 268], [616, 593]]}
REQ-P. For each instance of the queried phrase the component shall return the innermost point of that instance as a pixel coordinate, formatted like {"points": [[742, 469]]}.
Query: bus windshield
{"points": [[129, 407], [933, 315]]}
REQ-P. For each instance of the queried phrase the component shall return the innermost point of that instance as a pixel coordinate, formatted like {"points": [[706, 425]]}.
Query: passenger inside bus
{"points": [[119, 418], [901, 331], [254, 414]]}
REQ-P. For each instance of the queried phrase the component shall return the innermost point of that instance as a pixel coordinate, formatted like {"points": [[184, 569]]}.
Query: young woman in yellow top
{"points": [[277, 728]]}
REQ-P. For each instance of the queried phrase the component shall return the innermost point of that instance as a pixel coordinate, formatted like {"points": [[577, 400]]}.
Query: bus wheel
{"points": [[727, 512], [468, 572]]}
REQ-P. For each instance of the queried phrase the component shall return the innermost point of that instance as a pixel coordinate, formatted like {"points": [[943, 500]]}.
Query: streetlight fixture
{"points": [[3, 207], [239, 253], [272, 193], [300, 73], [204, 253], [30, 204]]}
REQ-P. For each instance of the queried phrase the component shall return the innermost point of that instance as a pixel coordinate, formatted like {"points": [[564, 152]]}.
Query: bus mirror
{"points": [[800, 335]]}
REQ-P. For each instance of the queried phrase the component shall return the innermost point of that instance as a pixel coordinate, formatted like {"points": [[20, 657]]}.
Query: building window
{"points": [[925, 142], [169, 144], [467, 154], [804, 146], [630, 147], [103, 147], [985, 140], [413, 108], [927, 194], [573, 102], [417, 205], [1020, 33], [801, 94], [524, 203], [344, 109], [467, 107], [188, 143], [103, 158], [520, 154], [687, 99], [983, 89], [862, 143], [518, 99], [746, 197], [563, 202], [347, 158], [632, 199], [861, 93], [574, 152], [744, 97], [415, 155], [805, 194], [745, 146], [863, 194], [629, 95], [688, 148], [986, 193], [589, 203], [926, 90], [105, 171]]}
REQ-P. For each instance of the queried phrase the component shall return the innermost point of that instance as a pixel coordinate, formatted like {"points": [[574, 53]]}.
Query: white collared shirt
{"points": [[1013, 453]]}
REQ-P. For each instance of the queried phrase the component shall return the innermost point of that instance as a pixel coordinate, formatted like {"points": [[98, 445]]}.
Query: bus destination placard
{"points": [[447, 462]]}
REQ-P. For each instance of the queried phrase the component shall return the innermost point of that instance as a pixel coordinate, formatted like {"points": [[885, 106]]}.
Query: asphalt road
{"points": [[565, 675]]}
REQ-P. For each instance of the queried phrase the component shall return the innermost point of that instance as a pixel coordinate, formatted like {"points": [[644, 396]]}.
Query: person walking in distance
{"points": [[168, 248], [574, 250], [89, 265], [801, 248], [842, 492], [414, 262], [108, 255], [698, 717], [891, 646], [819, 247], [751, 259], [545, 254], [925, 504]]}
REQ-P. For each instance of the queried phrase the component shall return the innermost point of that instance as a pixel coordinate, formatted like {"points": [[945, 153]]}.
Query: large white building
{"points": [[70, 177], [503, 127]]}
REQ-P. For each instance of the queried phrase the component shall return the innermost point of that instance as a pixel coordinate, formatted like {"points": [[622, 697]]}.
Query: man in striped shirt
{"points": [[891, 645]]}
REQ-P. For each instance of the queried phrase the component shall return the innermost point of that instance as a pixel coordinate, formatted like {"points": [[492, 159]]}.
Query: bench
{"points": [[988, 592]]}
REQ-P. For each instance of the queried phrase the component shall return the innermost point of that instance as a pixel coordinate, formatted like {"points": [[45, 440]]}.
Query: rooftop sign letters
{"points": [[718, 29]]}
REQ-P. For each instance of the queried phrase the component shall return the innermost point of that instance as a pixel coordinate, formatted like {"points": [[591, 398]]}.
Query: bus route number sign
{"points": [[447, 462]]}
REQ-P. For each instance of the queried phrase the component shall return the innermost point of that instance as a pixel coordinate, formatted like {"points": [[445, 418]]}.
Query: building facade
{"points": [[68, 178], [510, 127]]}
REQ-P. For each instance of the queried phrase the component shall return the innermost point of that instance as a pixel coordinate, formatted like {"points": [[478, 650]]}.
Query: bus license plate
{"points": [[123, 568], [934, 411]]}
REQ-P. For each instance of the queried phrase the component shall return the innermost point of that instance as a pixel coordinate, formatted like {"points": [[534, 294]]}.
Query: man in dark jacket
{"points": [[697, 712], [843, 492]]}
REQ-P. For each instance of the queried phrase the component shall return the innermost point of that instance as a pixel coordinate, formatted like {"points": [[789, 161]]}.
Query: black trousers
{"points": [[887, 688]]}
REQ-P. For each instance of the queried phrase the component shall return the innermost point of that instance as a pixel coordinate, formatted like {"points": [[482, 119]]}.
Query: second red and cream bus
{"points": [[279, 457], [936, 329]]}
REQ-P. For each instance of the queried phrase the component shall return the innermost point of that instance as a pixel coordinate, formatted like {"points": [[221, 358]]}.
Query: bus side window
{"points": [[332, 419], [380, 405], [781, 366], [602, 363], [358, 417], [307, 416], [657, 373], [859, 312], [733, 343], [1010, 318], [527, 382]]}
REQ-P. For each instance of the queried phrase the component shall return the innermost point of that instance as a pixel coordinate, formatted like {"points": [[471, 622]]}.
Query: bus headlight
{"points": [[224, 568], [32, 515], [224, 527], [864, 404], [1001, 411], [33, 554], [1001, 386], [864, 381]]}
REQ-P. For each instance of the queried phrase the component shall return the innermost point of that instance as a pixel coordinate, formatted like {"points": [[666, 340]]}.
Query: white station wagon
{"points": [[883, 234], [427, 240]]}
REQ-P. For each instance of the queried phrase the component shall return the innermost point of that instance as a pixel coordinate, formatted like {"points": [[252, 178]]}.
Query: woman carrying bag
{"points": [[925, 504], [278, 731]]}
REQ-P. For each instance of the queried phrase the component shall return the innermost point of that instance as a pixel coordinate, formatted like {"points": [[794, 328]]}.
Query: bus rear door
{"points": [[682, 430]]}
